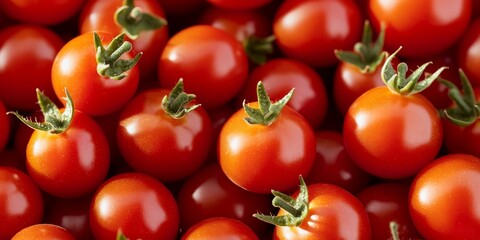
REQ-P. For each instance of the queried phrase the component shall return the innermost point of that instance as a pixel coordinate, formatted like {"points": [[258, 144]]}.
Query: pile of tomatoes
{"points": [[239, 119]]}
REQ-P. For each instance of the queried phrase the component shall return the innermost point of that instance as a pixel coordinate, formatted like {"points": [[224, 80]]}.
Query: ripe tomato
{"points": [[239, 4], [311, 30], [154, 142], [137, 204], [261, 156], [4, 126], [40, 12], [21, 202], [333, 164], [428, 21], [444, 197], [219, 228], [468, 58], [279, 76], [25, 47], [98, 15], [43, 231], [75, 68], [323, 211], [212, 63], [386, 202], [391, 135], [209, 193]]}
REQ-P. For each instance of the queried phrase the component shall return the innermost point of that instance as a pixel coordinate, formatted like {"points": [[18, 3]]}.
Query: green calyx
{"points": [[398, 82], [394, 230], [120, 235], [267, 112], [108, 59], [466, 110], [257, 49], [296, 208], [55, 122], [367, 55], [134, 21], [175, 103]]}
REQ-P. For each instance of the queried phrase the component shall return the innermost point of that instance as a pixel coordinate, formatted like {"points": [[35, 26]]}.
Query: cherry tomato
{"points": [[137, 204], [444, 196], [27, 54], [311, 30], [154, 142], [209, 193], [219, 228], [72, 163], [212, 63], [281, 75], [391, 135], [239, 4], [98, 15], [41, 12], [44, 231], [21, 202], [468, 58], [75, 68], [386, 202], [333, 164], [430, 28], [5, 126]]}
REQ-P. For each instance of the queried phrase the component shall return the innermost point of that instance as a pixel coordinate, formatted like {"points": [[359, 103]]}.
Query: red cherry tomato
{"points": [[219, 228], [27, 53], [21, 202], [153, 142], [386, 202], [311, 30], [137, 204], [72, 163], [444, 197], [209, 193], [468, 58], [40, 12], [75, 68], [430, 28], [212, 63], [5, 126], [239, 4], [44, 231]]}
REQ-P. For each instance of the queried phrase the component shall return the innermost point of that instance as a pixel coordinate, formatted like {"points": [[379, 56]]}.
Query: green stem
{"points": [[257, 49], [394, 230], [175, 103], [133, 20]]}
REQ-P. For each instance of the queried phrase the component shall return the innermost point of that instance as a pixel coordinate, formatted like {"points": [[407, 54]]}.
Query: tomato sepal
{"points": [[108, 59], [368, 54], [134, 21], [55, 121], [174, 104], [466, 110], [267, 112], [296, 208], [120, 235], [398, 82], [257, 48], [394, 230]]}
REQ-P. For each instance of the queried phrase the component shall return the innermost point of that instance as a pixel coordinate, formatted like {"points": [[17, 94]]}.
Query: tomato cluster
{"points": [[239, 119]]}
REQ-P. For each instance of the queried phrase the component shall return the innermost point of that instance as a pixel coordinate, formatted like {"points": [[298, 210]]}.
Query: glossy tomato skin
{"points": [[21, 202], [44, 231], [333, 213], [139, 205], [279, 76], [28, 52], [75, 68], [304, 29], [220, 228], [443, 198], [98, 15], [209, 193], [468, 58], [333, 164], [386, 202], [260, 158], [40, 12], [391, 135], [153, 142], [72, 163], [439, 17], [212, 63], [239, 5], [5, 126]]}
